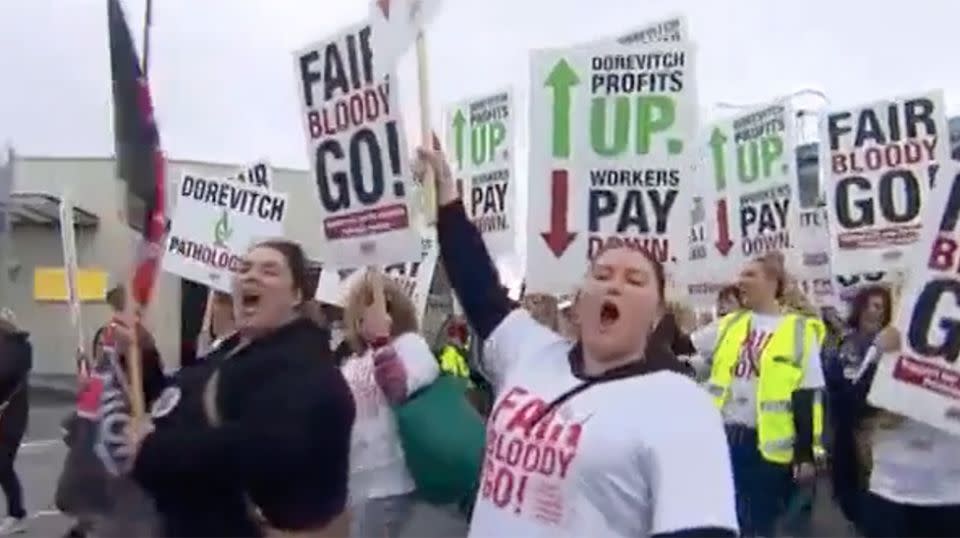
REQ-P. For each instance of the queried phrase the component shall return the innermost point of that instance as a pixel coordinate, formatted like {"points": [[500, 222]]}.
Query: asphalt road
{"points": [[41, 459]]}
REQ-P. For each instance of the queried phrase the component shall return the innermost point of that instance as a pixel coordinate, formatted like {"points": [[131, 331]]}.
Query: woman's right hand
{"points": [[436, 163]]}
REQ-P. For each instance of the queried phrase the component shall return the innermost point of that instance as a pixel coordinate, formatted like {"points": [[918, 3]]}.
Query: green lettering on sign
{"points": [[561, 78], [652, 114]]}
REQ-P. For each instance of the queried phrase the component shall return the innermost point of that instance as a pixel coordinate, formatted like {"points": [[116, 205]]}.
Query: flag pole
{"points": [[147, 21]]}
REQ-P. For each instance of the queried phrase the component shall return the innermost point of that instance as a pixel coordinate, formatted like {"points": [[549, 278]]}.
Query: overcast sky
{"points": [[223, 79]]}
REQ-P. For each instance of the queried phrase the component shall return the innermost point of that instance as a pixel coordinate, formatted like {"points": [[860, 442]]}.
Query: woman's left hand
{"points": [[390, 374], [888, 340], [804, 472]]}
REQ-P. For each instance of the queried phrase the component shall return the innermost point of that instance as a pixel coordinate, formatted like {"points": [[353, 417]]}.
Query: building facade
{"points": [[105, 247]]}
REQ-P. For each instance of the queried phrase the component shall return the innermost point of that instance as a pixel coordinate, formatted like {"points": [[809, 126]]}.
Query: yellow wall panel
{"points": [[50, 284]]}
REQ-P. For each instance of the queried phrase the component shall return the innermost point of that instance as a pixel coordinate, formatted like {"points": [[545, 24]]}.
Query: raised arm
{"points": [[469, 267]]}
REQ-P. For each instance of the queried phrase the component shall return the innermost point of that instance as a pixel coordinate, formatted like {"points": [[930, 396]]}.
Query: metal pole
{"points": [[147, 21]]}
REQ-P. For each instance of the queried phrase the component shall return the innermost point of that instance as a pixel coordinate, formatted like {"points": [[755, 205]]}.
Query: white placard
{"points": [[922, 381], [214, 223], [613, 131], [479, 137], [876, 162], [752, 175], [358, 154], [414, 277]]}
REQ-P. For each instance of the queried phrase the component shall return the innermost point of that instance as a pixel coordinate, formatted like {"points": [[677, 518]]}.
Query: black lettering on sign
{"points": [[765, 217], [856, 279], [340, 189], [856, 207], [332, 75], [637, 211], [927, 315], [488, 199], [915, 120], [358, 144]]}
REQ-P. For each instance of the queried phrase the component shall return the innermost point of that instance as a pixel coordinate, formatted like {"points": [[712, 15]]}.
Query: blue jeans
{"points": [[762, 487]]}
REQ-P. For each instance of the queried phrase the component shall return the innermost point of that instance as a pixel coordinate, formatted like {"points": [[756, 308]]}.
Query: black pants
{"points": [[10, 482], [883, 518]]}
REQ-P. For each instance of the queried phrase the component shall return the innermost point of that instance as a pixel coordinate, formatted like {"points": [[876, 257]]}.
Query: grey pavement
{"points": [[41, 458]]}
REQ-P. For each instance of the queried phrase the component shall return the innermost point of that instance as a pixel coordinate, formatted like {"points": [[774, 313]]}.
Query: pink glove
{"points": [[390, 374]]}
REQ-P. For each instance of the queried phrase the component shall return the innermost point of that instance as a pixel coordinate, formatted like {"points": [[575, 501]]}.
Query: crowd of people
{"points": [[609, 413]]}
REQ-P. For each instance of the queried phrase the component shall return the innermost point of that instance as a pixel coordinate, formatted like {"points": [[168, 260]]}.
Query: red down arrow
{"points": [[558, 238], [723, 243]]}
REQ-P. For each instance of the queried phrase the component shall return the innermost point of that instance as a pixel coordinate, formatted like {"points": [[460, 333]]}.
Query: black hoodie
{"points": [[16, 361], [284, 442]]}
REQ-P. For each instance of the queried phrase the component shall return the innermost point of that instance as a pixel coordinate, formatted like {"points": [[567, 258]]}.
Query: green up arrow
{"points": [[561, 78], [458, 123], [717, 141]]}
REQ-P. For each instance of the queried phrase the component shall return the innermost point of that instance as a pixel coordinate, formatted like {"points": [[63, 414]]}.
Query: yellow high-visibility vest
{"points": [[782, 365], [454, 363]]}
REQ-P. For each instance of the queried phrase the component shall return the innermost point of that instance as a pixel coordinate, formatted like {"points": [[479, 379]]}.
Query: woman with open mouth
{"points": [[597, 437], [765, 377], [256, 437]]}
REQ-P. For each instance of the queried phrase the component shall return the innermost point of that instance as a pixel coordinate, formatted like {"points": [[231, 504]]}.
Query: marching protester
{"points": [[622, 467], [765, 371], [16, 361], [847, 386], [381, 487], [82, 486], [255, 439], [453, 354], [914, 484]]}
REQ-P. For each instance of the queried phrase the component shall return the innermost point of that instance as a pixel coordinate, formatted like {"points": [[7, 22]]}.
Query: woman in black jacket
{"points": [[16, 361], [256, 436]]}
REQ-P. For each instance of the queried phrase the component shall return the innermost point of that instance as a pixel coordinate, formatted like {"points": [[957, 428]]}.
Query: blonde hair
{"points": [[543, 308], [403, 313]]}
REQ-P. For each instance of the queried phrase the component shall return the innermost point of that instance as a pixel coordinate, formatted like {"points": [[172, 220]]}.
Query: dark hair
{"points": [[117, 298], [296, 260], [97, 337], [658, 271], [729, 292], [859, 304]]}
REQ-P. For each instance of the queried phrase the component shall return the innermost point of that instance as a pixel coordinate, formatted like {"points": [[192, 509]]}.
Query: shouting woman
{"points": [[597, 437], [257, 436]]}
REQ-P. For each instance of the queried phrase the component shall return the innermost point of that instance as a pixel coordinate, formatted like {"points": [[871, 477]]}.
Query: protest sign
{"points": [[612, 131], [668, 30], [69, 243], [257, 174], [876, 161], [214, 223], [479, 133], [922, 380], [414, 277], [396, 25], [358, 154], [754, 180]]}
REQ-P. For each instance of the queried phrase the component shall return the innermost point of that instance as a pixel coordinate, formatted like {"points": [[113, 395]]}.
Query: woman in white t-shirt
{"points": [[380, 485], [763, 483], [915, 477], [598, 437]]}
